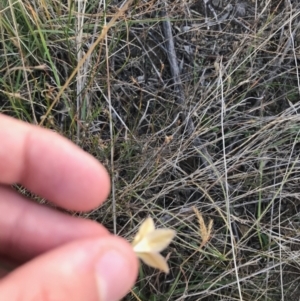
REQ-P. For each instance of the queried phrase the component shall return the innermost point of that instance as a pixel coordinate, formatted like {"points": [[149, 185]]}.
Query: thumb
{"points": [[94, 269]]}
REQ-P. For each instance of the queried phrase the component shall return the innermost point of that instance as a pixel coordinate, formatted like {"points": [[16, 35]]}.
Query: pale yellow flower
{"points": [[149, 241]]}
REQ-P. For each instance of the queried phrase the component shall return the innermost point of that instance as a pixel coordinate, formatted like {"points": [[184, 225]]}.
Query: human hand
{"points": [[57, 257]]}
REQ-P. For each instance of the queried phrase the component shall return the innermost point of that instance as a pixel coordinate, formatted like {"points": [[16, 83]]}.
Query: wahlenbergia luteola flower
{"points": [[149, 241]]}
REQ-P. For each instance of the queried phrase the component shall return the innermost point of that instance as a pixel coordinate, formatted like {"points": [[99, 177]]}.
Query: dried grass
{"points": [[239, 162]]}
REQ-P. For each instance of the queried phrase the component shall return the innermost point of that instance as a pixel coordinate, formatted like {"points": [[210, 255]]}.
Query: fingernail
{"points": [[111, 276]]}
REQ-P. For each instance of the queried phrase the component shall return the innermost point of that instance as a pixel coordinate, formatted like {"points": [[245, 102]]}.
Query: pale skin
{"points": [[46, 255]]}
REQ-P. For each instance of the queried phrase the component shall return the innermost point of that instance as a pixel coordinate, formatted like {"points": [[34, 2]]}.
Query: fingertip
{"points": [[70, 177], [104, 185], [101, 269], [116, 271]]}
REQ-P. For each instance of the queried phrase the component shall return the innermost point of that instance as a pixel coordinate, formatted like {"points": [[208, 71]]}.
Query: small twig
{"points": [[180, 96], [215, 15], [205, 11], [173, 60], [172, 57]]}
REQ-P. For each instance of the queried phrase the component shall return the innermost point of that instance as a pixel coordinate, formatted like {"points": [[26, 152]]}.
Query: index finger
{"points": [[50, 166]]}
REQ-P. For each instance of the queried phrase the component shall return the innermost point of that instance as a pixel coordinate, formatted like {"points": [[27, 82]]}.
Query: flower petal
{"points": [[155, 260], [155, 241], [146, 228]]}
